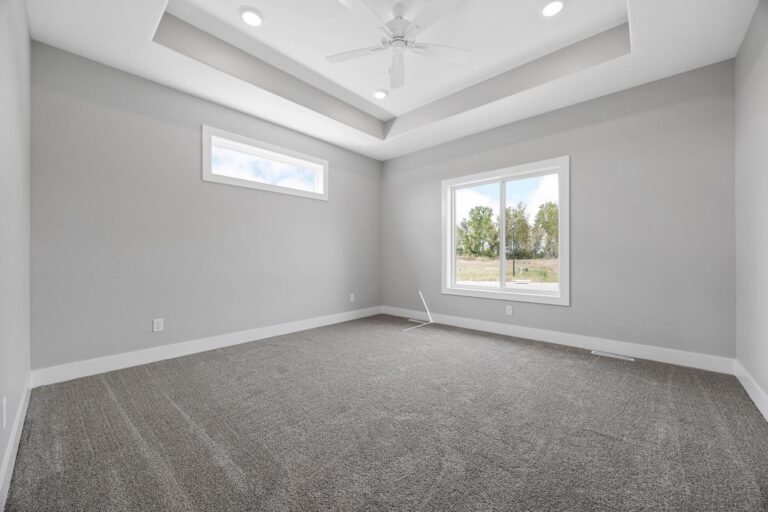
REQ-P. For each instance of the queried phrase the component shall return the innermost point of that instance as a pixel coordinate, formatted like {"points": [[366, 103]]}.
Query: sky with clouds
{"points": [[533, 192], [234, 164]]}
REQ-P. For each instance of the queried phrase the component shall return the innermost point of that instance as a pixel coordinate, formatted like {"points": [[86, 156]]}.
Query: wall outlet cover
{"points": [[509, 311], [157, 325]]}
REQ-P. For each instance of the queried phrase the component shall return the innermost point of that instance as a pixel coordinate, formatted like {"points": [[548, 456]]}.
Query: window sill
{"points": [[532, 295]]}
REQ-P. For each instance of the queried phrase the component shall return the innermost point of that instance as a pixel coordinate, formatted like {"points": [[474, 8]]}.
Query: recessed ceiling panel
{"points": [[500, 35]]}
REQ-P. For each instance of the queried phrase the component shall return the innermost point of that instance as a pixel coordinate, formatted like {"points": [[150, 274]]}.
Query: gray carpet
{"points": [[359, 416]]}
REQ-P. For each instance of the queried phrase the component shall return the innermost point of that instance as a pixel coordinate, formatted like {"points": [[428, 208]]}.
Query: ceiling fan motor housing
{"points": [[398, 42]]}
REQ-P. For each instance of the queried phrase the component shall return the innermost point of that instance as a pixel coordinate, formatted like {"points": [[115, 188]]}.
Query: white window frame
{"points": [[259, 149], [560, 166]]}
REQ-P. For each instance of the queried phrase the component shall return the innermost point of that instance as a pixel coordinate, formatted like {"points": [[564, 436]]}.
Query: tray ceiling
{"points": [[523, 64], [500, 35]]}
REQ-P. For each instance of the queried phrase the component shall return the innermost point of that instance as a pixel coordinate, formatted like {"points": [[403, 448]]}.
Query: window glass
{"points": [[233, 159], [477, 235], [250, 167], [532, 232]]}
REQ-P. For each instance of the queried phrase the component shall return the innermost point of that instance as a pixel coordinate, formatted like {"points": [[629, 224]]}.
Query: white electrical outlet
{"points": [[509, 311], [3, 413], [351, 297], [157, 325]]}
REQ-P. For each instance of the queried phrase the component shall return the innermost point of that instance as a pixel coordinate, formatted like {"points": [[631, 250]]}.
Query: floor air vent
{"points": [[615, 356]]}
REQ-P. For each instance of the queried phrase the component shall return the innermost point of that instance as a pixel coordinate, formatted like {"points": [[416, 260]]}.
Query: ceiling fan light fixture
{"points": [[380, 94], [552, 8], [251, 16]]}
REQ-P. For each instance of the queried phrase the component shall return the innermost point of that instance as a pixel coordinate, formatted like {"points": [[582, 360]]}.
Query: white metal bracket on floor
{"points": [[420, 322]]}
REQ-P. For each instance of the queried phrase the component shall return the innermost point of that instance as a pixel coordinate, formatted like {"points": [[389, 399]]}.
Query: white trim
{"points": [[664, 355], [69, 371], [562, 297], [257, 148], [9, 460], [51, 375], [758, 395]]}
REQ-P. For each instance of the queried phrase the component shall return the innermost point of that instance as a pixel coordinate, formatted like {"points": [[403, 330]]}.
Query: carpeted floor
{"points": [[359, 416]]}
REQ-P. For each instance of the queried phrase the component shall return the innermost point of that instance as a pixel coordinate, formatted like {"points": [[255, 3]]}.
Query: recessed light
{"points": [[380, 94], [552, 8], [251, 16]]}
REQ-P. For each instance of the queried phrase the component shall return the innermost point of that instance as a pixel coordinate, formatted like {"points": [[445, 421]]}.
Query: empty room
{"points": [[383, 255]]}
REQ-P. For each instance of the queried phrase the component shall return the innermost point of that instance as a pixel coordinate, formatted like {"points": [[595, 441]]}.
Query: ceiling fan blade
{"points": [[442, 52], [397, 71], [433, 11], [363, 9], [353, 54]]}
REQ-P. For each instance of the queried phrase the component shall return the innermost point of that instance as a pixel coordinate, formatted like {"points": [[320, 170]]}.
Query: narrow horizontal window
{"points": [[506, 234], [237, 160]]}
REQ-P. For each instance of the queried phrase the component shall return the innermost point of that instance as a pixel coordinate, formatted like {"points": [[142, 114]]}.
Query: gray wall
{"points": [[652, 214], [751, 194], [14, 210], [124, 230]]}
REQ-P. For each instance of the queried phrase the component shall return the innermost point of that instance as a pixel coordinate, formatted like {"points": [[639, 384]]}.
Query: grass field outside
{"points": [[482, 270]]}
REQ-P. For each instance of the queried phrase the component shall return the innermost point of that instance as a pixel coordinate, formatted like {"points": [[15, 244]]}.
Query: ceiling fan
{"points": [[400, 35]]}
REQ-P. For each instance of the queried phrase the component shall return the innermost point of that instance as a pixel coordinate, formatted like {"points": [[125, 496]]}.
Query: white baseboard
{"points": [[70, 371], [758, 395], [54, 374], [636, 350], [6, 468]]}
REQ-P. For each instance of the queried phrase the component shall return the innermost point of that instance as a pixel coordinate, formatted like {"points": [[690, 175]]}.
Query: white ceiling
{"points": [[501, 35], [667, 37]]}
